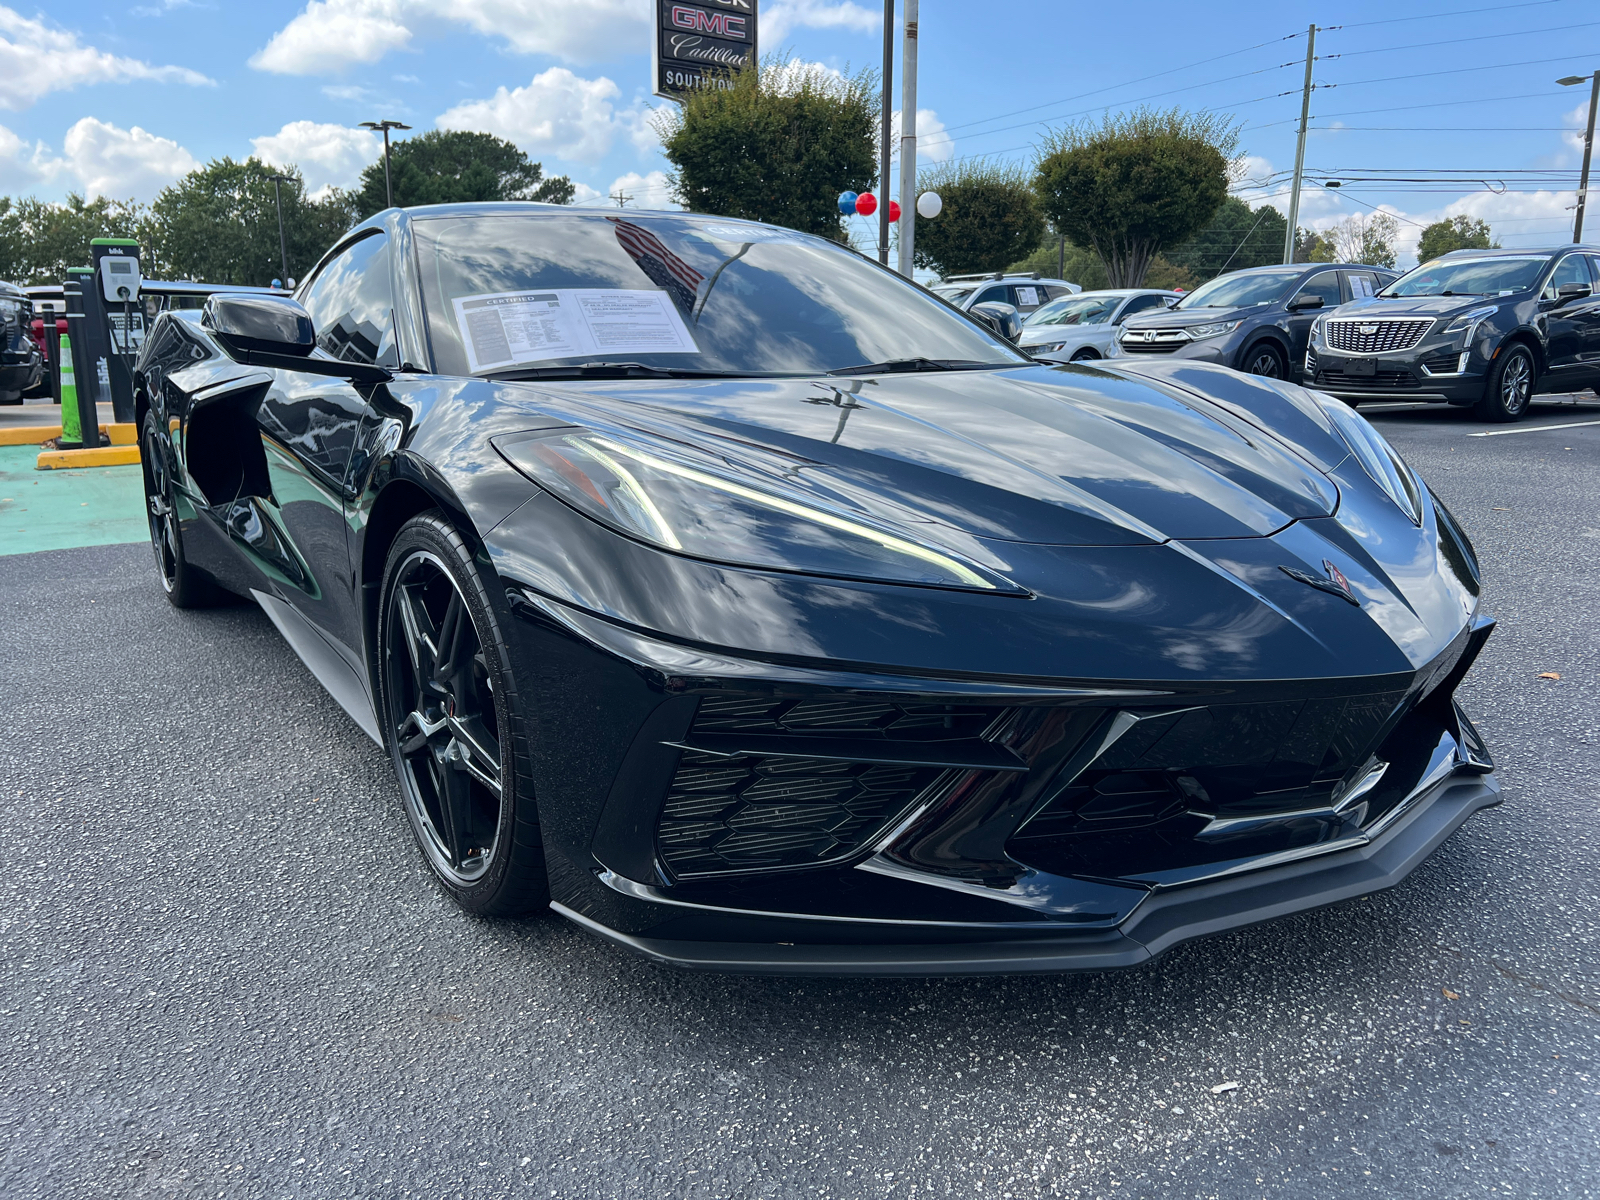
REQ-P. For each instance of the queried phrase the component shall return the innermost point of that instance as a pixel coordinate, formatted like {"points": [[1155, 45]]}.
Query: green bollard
{"points": [[71, 424]]}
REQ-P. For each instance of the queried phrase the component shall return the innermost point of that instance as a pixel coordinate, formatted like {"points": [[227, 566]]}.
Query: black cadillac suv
{"points": [[1256, 320], [21, 363], [1486, 328]]}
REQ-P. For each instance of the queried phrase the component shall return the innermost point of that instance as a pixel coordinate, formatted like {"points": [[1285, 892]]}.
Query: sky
{"points": [[1418, 110]]}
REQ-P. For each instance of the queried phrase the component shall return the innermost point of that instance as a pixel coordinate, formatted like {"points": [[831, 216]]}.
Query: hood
{"points": [[1035, 335], [1415, 306], [1055, 455], [1184, 317]]}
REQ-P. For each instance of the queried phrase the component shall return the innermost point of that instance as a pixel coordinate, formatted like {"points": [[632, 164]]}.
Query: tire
{"points": [[1085, 355], [453, 724], [1264, 358], [1509, 390], [186, 586]]}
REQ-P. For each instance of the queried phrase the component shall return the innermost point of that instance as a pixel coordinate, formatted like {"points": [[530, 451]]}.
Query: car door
{"points": [[308, 426], [1298, 321], [1565, 324]]}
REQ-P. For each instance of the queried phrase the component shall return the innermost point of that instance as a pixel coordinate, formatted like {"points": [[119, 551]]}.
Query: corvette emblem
{"points": [[1367, 330], [1335, 584]]}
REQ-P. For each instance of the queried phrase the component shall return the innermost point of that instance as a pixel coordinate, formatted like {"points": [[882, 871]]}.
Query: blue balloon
{"points": [[847, 203]]}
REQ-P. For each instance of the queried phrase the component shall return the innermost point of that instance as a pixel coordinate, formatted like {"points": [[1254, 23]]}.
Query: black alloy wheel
{"points": [[1264, 359], [185, 586], [1509, 390], [451, 720], [1084, 355]]}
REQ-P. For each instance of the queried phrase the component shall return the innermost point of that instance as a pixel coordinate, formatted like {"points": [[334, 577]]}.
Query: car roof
{"points": [[1524, 252]]}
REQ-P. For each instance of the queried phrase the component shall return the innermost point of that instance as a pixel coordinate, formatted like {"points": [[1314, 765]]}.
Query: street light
{"points": [[384, 126], [1588, 144], [277, 195]]}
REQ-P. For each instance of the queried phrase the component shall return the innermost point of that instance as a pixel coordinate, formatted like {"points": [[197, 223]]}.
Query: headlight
{"points": [[1316, 326], [1379, 459], [1467, 323], [676, 506], [1212, 330]]}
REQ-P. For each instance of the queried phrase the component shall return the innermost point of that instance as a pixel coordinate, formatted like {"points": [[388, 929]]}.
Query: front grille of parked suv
{"points": [[1355, 335]]}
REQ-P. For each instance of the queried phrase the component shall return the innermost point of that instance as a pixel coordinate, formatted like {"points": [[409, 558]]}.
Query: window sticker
{"points": [[1360, 286], [503, 329], [1028, 297]]}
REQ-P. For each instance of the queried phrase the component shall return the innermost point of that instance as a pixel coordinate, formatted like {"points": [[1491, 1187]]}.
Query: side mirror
{"points": [[1572, 291], [1000, 318], [261, 330], [1305, 300]]}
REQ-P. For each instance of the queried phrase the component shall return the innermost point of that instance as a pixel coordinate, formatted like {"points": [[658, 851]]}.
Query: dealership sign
{"points": [[700, 44]]}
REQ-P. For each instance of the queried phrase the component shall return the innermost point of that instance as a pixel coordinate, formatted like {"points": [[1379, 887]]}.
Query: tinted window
{"points": [[1055, 291], [995, 295], [1141, 304], [696, 293], [1241, 291], [1471, 276], [1324, 284], [1029, 296], [1363, 284], [1571, 269], [351, 307]]}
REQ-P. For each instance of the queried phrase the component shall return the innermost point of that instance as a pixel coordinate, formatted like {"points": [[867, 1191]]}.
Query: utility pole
{"points": [[1300, 149], [388, 182], [908, 139], [1588, 146], [283, 247], [883, 140], [621, 197]]}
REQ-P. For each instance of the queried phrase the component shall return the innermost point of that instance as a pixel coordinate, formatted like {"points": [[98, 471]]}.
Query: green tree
{"points": [[1456, 233], [39, 240], [1312, 247], [991, 217], [1366, 238], [1136, 183], [1084, 268], [454, 166], [1238, 236], [778, 145], [219, 224]]}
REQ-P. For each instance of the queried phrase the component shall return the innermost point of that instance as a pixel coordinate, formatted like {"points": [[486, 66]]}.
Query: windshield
{"points": [[679, 293], [1075, 310], [1470, 277], [1241, 291]]}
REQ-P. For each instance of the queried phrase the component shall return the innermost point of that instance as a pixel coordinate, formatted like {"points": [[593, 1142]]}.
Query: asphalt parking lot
{"points": [[224, 971]]}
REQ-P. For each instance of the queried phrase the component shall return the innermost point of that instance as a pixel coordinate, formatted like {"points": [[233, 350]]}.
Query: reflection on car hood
{"points": [[1047, 454], [1416, 306], [1033, 335], [1180, 318]]}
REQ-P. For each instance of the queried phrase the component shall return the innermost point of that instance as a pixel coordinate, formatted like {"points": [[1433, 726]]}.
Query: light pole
{"points": [[1588, 145], [283, 246], [883, 142], [384, 126]]}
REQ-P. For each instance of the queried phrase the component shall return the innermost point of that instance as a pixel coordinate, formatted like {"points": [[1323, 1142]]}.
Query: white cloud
{"points": [[583, 194], [643, 191], [782, 17], [556, 113], [326, 154], [24, 165], [933, 143], [123, 164], [36, 60], [330, 35]]}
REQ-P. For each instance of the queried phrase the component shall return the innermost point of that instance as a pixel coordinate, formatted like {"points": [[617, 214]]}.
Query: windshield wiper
{"points": [[612, 370], [897, 366]]}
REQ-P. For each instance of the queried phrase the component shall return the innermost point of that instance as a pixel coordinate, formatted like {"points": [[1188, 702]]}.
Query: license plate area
{"points": [[1361, 366]]}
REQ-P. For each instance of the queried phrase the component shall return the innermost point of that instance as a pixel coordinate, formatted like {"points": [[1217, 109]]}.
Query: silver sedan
{"points": [[1076, 328]]}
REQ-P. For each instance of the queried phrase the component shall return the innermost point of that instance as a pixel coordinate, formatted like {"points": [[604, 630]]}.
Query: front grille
{"points": [[1353, 337], [778, 782], [1382, 381], [1166, 346]]}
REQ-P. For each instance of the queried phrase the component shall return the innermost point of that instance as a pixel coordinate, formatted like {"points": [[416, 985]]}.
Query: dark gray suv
{"points": [[1486, 328], [1257, 320]]}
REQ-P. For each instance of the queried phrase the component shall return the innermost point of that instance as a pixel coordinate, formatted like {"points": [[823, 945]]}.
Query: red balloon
{"points": [[866, 204], [894, 212]]}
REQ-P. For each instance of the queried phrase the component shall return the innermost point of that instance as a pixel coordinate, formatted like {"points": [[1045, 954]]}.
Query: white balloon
{"points": [[929, 205]]}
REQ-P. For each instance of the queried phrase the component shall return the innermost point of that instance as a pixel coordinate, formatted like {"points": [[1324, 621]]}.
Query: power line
{"points": [[1527, 62], [1448, 16], [1485, 37]]}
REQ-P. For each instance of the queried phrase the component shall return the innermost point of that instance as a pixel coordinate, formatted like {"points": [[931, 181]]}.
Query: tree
{"points": [[1238, 236], [40, 240], [219, 224], [1455, 233], [991, 217], [778, 145], [1366, 239], [453, 166], [1136, 183], [1084, 268], [1313, 247]]}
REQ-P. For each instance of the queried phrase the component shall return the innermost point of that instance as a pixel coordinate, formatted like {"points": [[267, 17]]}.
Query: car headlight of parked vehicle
{"points": [[1467, 323], [1214, 329], [673, 505], [1379, 459]]}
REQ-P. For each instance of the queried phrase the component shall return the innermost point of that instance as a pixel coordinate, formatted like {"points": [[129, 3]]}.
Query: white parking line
{"points": [[1533, 429]]}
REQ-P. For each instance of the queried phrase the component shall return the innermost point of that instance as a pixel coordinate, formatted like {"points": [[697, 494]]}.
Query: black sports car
{"points": [[756, 610]]}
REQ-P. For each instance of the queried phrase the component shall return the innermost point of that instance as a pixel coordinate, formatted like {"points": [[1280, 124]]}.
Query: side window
{"points": [[1574, 268], [1029, 296], [1141, 304], [351, 306], [1324, 284], [1363, 284], [994, 295], [1055, 291]]}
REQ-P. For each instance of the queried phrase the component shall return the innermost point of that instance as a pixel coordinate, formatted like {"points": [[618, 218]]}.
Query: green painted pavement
{"points": [[60, 510]]}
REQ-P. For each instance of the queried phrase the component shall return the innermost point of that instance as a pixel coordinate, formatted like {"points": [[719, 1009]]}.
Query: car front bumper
{"points": [[1434, 374]]}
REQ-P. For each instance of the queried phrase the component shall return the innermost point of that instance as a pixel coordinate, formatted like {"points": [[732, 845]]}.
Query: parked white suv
{"points": [[1075, 328], [1025, 293]]}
